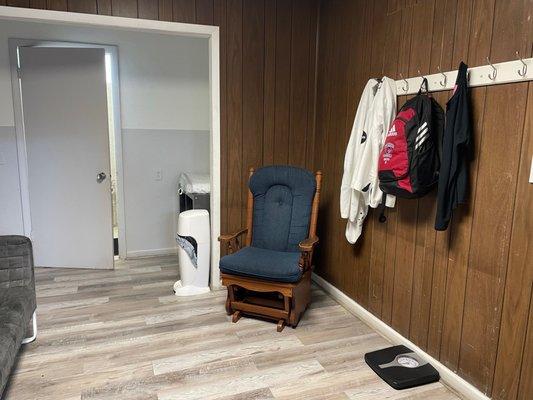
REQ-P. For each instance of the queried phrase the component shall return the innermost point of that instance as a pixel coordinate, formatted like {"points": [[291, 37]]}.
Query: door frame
{"points": [[14, 44], [211, 33]]}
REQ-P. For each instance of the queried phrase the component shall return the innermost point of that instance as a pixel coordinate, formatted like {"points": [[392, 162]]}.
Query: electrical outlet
{"points": [[158, 175]]}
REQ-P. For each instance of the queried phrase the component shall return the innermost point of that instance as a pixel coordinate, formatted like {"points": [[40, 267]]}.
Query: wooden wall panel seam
{"points": [[314, 36], [253, 87], [440, 259], [420, 319], [506, 355], [244, 181], [204, 11], [470, 242], [488, 268], [521, 394], [460, 215], [379, 260], [33, 4], [326, 154], [380, 49], [407, 211], [324, 83], [219, 18], [341, 136], [234, 112], [401, 68], [164, 10], [290, 86], [413, 275], [282, 81], [269, 82]]}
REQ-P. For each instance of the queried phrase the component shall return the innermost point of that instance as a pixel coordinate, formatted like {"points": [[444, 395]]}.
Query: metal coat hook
{"points": [[442, 83], [523, 72], [423, 79], [406, 87], [492, 76]]}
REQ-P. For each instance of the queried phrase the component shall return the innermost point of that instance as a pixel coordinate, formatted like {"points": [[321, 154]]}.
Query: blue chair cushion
{"points": [[261, 263], [283, 197]]}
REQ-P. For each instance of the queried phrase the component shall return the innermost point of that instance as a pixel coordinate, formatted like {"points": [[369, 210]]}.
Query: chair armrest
{"points": [[308, 244], [232, 240], [306, 248], [226, 237]]}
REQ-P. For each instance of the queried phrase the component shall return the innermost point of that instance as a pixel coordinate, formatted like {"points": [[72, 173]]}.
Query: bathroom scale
{"points": [[401, 368]]}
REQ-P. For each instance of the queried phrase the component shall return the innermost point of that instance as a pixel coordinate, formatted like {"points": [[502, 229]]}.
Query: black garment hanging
{"points": [[456, 150]]}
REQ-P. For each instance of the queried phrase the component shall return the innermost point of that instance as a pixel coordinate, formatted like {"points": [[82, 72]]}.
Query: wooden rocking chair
{"points": [[270, 277]]}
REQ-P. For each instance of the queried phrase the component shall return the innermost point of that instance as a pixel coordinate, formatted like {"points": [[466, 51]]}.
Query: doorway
{"points": [[85, 233], [97, 24]]}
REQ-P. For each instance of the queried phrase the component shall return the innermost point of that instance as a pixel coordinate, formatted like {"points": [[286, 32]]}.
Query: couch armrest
{"points": [[16, 262]]}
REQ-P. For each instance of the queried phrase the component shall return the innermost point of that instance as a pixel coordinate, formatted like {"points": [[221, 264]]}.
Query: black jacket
{"points": [[456, 150]]}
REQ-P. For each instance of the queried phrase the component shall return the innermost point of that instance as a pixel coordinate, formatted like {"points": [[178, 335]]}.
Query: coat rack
{"points": [[519, 70]]}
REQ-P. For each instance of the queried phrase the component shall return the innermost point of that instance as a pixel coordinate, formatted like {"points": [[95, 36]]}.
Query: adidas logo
{"points": [[392, 131]]}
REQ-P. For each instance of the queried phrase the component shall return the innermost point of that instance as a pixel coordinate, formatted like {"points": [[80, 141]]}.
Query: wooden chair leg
{"points": [[236, 316], [229, 311], [281, 325], [230, 299], [295, 320], [300, 300]]}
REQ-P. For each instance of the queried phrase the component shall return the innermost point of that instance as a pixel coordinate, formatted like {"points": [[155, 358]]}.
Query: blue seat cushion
{"points": [[283, 199], [261, 263]]}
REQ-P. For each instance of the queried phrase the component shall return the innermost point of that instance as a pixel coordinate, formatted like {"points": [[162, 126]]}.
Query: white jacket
{"points": [[360, 183]]}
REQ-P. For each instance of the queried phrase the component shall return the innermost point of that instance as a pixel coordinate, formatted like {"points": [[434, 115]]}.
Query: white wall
{"points": [[10, 205], [164, 84], [155, 202]]}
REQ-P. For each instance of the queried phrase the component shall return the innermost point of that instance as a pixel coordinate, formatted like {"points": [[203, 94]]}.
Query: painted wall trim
{"points": [[91, 20], [449, 377], [149, 131], [171, 251]]}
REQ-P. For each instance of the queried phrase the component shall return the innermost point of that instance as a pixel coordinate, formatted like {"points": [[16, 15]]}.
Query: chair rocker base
{"points": [[279, 301]]}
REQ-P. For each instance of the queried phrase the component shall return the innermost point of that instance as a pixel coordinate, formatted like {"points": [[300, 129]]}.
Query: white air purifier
{"points": [[194, 234]]}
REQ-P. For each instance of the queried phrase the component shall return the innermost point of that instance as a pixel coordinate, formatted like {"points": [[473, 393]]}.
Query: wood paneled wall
{"points": [[463, 295]]}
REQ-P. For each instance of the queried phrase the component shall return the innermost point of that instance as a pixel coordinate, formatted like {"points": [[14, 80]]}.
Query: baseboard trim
{"points": [[449, 377], [111, 267], [152, 252]]}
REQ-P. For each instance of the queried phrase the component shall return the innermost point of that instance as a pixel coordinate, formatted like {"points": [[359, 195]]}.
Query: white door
{"points": [[67, 143]]}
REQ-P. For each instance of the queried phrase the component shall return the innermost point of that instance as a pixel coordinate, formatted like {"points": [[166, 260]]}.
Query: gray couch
{"points": [[17, 300]]}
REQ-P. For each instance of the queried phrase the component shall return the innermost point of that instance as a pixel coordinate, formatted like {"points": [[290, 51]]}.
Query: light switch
{"points": [[158, 175]]}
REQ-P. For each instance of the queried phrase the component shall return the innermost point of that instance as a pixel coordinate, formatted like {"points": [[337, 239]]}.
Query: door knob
{"points": [[101, 177]]}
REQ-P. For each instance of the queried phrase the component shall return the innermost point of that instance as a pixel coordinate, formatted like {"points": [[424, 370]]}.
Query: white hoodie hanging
{"points": [[360, 184]]}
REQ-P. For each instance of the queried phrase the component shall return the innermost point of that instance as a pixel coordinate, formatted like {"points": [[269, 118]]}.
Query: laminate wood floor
{"points": [[122, 334]]}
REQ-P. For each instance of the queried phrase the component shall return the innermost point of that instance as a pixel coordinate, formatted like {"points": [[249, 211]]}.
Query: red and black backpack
{"points": [[409, 160]]}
